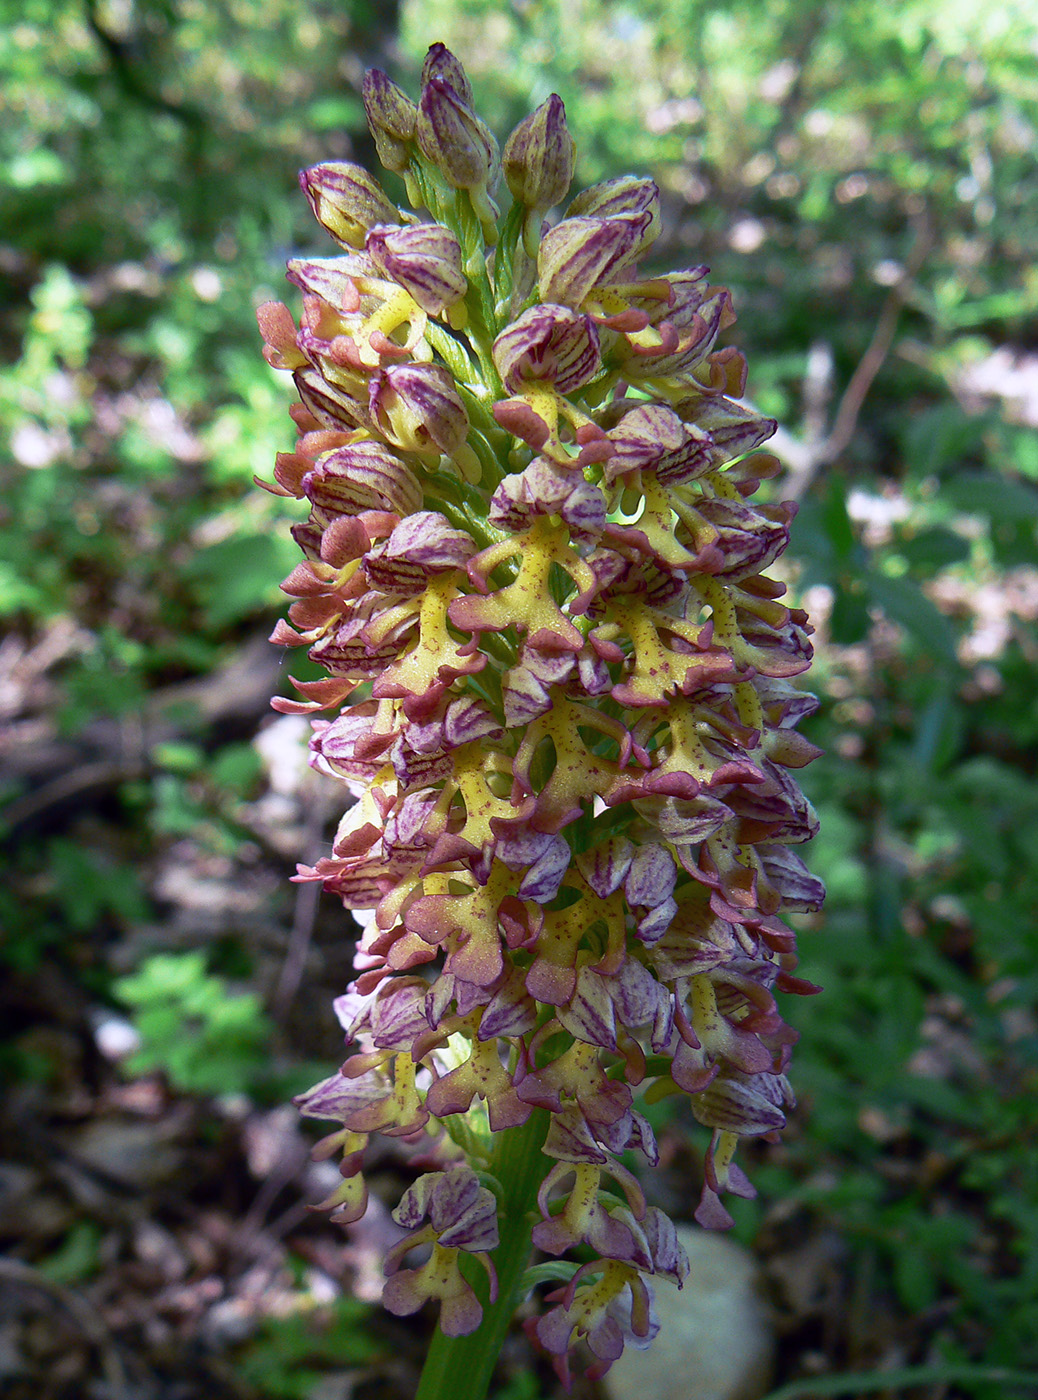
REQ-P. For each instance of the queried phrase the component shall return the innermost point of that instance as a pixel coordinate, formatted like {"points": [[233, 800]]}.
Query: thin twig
{"points": [[805, 458], [127, 72], [871, 362]]}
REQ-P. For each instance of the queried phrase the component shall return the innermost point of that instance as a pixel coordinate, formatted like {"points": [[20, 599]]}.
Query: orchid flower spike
{"points": [[560, 698]]}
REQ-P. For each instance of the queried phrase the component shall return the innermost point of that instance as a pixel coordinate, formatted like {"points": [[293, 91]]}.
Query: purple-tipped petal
{"points": [[461, 1211], [453, 138], [542, 489], [338, 1098], [552, 344], [425, 259], [346, 200], [423, 544], [627, 194], [365, 475], [542, 880], [652, 875], [580, 255], [653, 438], [538, 157], [745, 1104], [418, 407], [669, 1259]]}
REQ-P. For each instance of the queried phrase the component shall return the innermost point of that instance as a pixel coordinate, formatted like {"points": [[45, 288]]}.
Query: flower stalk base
{"points": [[460, 1368]]}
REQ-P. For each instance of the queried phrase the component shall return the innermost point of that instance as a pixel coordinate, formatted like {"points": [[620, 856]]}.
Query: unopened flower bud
{"points": [[441, 63], [580, 254], [538, 157], [627, 194], [425, 259], [391, 118], [346, 200], [453, 138]]}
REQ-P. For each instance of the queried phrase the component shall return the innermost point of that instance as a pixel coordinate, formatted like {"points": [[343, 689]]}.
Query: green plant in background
{"points": [[76, 892], [289, 1355], [535, 580], [130, 393], [78, 1257], [203, 1037]]}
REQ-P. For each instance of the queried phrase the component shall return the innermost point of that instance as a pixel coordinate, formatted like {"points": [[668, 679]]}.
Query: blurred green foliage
{"points": [[288, 1357], [862, 177], [78, 1256], [203, 1037]]}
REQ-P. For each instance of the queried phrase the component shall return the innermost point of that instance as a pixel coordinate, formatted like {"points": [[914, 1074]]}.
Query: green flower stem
{"points": [[460, 1368]]}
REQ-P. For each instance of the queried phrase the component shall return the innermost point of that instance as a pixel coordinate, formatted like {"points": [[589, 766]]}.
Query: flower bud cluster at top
{"points": [[534, 576]]}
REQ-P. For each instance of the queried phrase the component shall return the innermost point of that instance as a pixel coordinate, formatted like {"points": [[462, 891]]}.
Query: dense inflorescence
{"points": [[534, 575]]}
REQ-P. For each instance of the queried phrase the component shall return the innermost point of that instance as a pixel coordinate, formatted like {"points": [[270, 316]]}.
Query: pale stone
{"points": [[715, 1340]]}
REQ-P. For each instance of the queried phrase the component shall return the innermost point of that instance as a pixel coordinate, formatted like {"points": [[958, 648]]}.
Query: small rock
{"points": [[715, 1340], [273, 1142], [336, 1385], [228, 1322], [133, 1152]]}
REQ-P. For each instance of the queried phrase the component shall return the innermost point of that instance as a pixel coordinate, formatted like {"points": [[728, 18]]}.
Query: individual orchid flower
{"points": [[561, 700], [462, 1215]]}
